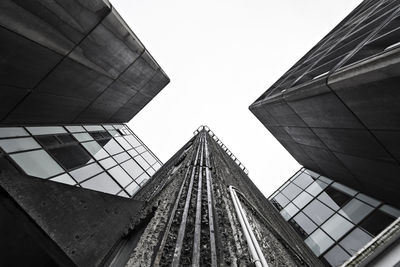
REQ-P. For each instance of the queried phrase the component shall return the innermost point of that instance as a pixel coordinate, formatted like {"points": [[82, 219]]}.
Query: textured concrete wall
{"points": [[76, 226], [72, 61], [176, 186]]}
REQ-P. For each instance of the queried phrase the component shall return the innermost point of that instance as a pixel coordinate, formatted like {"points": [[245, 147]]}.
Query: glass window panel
{"points": [[156, 166], [12, 132], [108, 127], [316, 187], [344, 189], [376, 222], [317, 211], [132, 140], [281, 200], [95, 150], [368, 199], [86, 172], [47, 140], [123, 143], [289, 211], [303, 180], [64, 178], [337, 226], [295, 175], [318, 242], [102, 183], [303, 199], [304, 223], [142, 162], [133, 169], [18, 144], [151, 171], [355, 240], [391, 210], [132, 188], [356, 210], [46, 130], [93, 128], [118, 126], [82, 137], [333, 198], [336, 256], [291, 191], [149, 158], [121, 157], [37, 163], [108, 163], [71, 156], [133, 152], [66, 138], [142, 179], [75, 129], [112, 147], [120, 175], [113, 133], [123, 194]]}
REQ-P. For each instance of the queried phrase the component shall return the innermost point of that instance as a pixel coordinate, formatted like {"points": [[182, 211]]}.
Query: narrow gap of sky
{"points": [[221, 56]]}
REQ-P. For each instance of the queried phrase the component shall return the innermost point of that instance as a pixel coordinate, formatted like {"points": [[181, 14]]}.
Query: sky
{"points": [[221, 55]]}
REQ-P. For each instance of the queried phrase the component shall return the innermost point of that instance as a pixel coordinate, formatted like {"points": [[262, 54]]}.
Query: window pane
{"points": [[149, 158], [303, 199], [303, 224], [354, 241], [102, 183], [92, 128], [95, 150], [132, 188], [108, 163], [324, 179], [291, 191], [356, 210], [112, 147], [391, 211], [121, 157], [333, 198], [18, 144], [319, 242], [133, 169], [46, 130], [86, 172], [337, 226], [133, 153], [303, 180], [142, 178], [336, 256], [313, 174], [289, 211], [12, 132], [151, 171], [123, 194], [123, 143], [120, 175], [64, 178], [74, 129], [376, 222], [47, 140], [142, 162], [156, 166], [368, 200], [37, 163], [140, 149], [71, 156], [318, 212], [132, 140], [82, 137], [281, 200], [316, 188]]}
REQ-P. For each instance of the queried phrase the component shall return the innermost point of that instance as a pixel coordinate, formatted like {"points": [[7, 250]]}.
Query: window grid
{"points": [[359, 196], [94, 133]]}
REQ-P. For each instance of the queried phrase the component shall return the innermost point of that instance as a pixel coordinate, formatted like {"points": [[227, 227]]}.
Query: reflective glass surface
{"points": [[95, 150], [355, 240], [336, 256], [102, 183], [318, 242], [120, 175], [316, 187], [333, 198], [318, 212], [303, 199], [303, 180], [291, 191], [356, 210], [336, 226], [304, 223], [289, 211], [12, 132], [18, 144]]}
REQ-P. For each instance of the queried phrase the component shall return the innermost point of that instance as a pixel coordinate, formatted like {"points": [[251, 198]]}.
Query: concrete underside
{"points": [[72, 61]]}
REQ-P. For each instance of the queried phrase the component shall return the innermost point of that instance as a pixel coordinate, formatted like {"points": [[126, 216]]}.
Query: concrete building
{"points": [[336, 110]]}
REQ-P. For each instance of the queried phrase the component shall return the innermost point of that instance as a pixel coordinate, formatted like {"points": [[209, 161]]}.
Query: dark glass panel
{"points": [[336, 256], [333, 198], [47, 140], [376, 222], [354, 241], [71, 156], [66, 138]]}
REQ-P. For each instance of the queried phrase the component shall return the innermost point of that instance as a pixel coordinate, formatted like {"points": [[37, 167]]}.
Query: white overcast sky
{"points": [[221, 55]]}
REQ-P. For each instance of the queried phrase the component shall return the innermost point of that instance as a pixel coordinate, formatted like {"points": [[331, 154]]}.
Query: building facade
{"points": [[336, 110], [335, 221]]}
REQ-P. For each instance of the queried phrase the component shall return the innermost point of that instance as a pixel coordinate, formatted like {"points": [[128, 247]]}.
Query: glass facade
{"points": [[334, 220], [106, 158]]}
